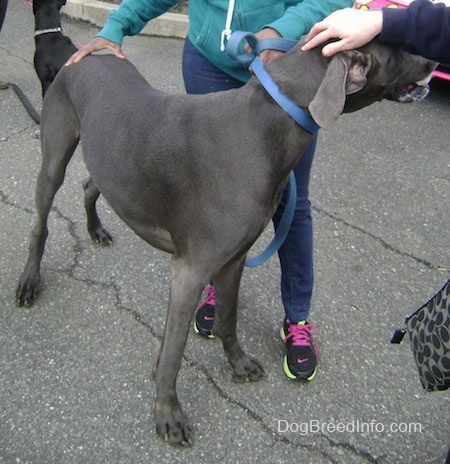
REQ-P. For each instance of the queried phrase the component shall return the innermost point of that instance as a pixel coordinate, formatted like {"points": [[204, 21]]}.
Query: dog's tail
{"points": [[24, 99], [3, 7]]}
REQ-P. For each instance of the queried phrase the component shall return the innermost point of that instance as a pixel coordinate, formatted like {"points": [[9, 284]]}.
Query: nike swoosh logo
{"points": [[208, 318], [301, 361]]}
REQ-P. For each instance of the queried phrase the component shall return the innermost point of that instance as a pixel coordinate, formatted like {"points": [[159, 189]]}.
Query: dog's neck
{"points": [[47, 31], [298, 114], [46, 19], [296, 63]]}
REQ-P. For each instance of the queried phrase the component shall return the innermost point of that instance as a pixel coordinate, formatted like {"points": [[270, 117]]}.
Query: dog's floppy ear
{"points": [[346, 74]]}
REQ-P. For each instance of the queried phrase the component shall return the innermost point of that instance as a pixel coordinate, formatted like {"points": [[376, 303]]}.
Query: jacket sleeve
{"points": [[131, 17], [299, 19], [423, 29]]}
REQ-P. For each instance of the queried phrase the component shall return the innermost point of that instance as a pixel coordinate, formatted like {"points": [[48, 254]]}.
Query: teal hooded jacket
{"points": [[209, 27]]}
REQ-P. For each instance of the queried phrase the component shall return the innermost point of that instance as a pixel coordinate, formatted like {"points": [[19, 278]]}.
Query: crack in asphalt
{"points": [[8, 137], [377, 239], [5, 200]]}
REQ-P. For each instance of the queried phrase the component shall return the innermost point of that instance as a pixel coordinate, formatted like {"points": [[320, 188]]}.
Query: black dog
{"points": [[53, 48]]}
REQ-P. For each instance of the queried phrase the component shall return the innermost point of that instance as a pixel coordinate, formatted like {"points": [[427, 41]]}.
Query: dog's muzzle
{"points": [[410, 93], [414, 92]]}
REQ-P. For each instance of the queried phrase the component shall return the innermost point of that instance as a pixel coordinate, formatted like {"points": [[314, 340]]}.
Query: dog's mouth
{"points": [[413, 92], [410, 93]]}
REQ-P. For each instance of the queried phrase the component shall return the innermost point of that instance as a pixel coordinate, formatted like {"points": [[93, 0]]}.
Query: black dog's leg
{"points": [[227, 288], [187, 285], [94, 225]]}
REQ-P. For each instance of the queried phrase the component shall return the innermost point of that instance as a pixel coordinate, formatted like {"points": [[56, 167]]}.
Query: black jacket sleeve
{"points": [[423, 29]]}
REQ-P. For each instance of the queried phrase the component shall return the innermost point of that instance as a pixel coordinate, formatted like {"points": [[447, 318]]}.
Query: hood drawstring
{"points": [[227, 31]]}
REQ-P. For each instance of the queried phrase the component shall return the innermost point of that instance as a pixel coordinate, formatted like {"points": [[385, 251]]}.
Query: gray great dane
{"points": [[154, 157]]}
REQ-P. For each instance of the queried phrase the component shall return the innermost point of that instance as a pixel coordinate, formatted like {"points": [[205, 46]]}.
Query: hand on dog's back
{"points": [[95, 45]]}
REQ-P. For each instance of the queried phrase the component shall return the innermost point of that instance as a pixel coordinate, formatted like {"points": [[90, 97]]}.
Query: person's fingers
{"points": [[317, 38], [316, 30], [335, 47], [77, 56], [351, 28]]}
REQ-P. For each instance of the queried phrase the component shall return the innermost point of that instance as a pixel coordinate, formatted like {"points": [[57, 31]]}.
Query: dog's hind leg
{"points": [[60, 135], [95, 228], [226, 284]]}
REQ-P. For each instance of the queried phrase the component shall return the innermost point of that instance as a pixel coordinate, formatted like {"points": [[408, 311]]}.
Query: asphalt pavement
{"points": [[75, 370]]}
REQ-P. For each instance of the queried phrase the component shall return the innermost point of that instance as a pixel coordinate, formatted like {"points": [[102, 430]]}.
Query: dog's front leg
{"points": [[171, 423], [227, 289]]}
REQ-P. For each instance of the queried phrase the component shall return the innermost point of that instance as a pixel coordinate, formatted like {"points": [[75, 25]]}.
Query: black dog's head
{"points": [[37, 4]]}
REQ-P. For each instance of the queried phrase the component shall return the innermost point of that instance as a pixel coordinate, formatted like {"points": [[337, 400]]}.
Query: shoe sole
{"points": [[203, 333], [297, 378]]}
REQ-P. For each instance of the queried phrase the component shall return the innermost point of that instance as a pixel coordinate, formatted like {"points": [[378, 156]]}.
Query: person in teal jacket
{"points": [[206, 68]]}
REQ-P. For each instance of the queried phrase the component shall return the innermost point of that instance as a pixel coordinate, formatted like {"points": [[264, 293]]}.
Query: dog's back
{"points": [[105, 90]]}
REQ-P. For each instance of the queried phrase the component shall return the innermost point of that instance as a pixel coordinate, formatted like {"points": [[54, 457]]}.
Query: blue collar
{"points": [[298, 114]]}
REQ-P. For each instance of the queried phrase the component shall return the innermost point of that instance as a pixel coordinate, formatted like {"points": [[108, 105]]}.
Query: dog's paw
{"points": [[27, 291], [101, 236], [247, 369], [172, 425]]}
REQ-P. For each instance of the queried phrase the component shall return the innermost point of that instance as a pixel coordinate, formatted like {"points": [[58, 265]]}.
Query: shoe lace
{"points": [[303, 335], [211, 295]]}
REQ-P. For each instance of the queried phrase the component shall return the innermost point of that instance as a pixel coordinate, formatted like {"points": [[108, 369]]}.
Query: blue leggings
{"points": [[296, 254]]}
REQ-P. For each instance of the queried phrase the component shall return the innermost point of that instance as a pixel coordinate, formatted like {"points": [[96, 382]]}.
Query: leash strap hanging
{"points": [[283, 227], [233, 50]]}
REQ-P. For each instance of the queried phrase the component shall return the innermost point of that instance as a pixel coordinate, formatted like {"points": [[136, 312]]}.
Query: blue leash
{"points": [[283, 227], [297, 114]]}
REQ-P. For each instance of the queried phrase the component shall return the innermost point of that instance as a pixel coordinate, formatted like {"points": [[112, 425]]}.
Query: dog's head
{"points": [[358, 78], [36, 4]]}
